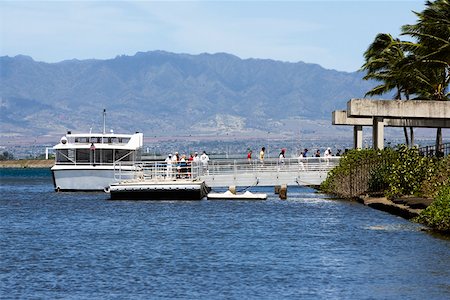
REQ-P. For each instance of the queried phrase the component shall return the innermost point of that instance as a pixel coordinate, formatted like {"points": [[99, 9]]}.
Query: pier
{"points": [[309, 171]]}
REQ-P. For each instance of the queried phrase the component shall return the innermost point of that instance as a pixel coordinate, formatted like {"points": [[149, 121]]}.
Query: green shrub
{"points": [[351, 176], [392, 172], [407, 172], [437, 215], [378, 179], [441, 177]]}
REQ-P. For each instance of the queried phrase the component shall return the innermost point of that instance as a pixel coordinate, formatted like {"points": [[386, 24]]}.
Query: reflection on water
{"points": [[81, 245], [396, 227]]}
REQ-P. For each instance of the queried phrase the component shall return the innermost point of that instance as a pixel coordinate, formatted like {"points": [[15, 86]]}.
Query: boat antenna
{"points": [[104, 121]]}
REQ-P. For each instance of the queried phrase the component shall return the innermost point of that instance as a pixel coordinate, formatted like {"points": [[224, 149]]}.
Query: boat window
{"points": [[62, 155], [82, 155], [65, 156], [123, 155], [107, 156], [82, 140], [97, 156]]}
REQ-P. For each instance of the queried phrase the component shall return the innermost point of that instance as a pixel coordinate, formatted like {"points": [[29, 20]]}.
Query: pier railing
{"points": [[157, 171], [219, 167], [290, 171], [431, 150], [224, 172]]}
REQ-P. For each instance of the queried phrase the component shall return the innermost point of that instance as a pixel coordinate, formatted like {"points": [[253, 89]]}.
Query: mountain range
{"points": [[167, 94]]}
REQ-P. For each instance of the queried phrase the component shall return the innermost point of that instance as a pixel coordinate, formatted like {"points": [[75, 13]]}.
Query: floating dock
{"points": [[159, 190], [228, 195]]}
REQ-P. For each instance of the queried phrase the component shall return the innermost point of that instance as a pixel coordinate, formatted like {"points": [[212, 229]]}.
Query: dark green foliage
{"points": [[378, 182], [440, 178], [407, 172], [394, 173], [353, 175], [6, 156], [437, 215]]}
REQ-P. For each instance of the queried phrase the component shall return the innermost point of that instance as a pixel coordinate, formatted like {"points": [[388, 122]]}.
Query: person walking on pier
{"points": [[196, 159], [305, 152], [327, 155], [300, 161], [204, 158], [282, 156], [261, 155], [169, 166], [249, 156]]}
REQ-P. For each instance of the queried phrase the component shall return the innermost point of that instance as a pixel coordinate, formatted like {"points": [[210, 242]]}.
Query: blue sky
{"points": [[334, 34]]}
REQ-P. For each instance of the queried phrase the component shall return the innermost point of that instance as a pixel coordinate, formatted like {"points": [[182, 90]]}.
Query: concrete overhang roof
{"points": [[399, 108], [340, 117]]}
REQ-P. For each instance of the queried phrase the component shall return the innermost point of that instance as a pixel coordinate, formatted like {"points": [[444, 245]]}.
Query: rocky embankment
{"points": [[406, 207], [27, 163]]}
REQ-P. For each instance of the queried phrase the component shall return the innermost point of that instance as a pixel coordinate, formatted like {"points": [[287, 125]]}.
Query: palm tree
{"points": [[432, 52], [388, 62]]}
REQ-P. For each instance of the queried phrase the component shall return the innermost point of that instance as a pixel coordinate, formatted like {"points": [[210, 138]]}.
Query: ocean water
{"points": [[84, 246]]}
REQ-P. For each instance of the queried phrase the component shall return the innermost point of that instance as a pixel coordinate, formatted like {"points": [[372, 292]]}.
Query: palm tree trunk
{"points": [[406, 137], [438, 141]]}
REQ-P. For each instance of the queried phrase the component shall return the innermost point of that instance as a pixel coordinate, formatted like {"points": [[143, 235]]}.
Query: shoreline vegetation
{"points": [[400, 181]]}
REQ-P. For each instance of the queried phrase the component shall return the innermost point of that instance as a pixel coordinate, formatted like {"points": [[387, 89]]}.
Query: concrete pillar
{"points": [[283, 192], [357, 136], [378, 133], [232, 189], [277, 189]]}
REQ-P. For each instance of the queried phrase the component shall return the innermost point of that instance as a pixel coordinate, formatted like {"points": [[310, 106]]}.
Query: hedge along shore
{"points": [[27, 163]]}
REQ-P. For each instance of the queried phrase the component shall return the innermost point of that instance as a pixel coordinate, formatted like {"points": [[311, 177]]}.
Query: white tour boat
{"points": [[93, 161]]}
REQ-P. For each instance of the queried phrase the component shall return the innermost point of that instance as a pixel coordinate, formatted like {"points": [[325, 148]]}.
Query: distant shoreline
{"points": [[27, 163]]}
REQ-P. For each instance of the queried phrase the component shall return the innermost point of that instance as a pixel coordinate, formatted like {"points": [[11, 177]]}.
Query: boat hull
{"points": [[91, 178]]}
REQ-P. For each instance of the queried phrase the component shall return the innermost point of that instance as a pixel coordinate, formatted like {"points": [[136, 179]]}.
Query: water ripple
{"points": [[83, 246]]}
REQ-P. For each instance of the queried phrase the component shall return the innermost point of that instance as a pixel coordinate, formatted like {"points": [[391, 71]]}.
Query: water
{"points": [[83, 246]]}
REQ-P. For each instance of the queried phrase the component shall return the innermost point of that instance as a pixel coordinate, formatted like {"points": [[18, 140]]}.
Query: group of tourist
{"points": [[262, 154], [326, 154], [183, 164], [282, 154]]}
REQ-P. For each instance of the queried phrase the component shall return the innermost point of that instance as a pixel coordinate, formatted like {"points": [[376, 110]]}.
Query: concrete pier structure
{"points": [[391, 113], [340, 117], [399, 108]]}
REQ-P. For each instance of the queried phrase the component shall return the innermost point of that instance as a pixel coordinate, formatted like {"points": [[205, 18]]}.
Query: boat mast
{"points": [[104, 121]]}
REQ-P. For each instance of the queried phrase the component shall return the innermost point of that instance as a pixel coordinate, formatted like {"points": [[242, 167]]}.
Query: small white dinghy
{"points": [[230, 196]]}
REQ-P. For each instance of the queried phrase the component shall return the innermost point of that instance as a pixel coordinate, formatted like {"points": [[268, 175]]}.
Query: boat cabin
{"points": [[98, 149]]}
